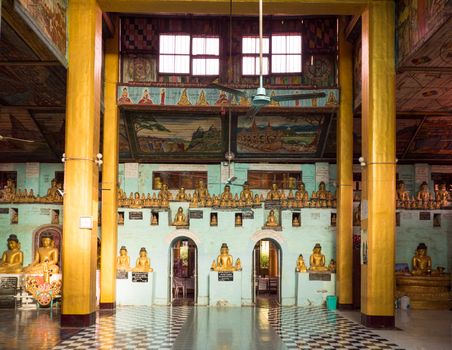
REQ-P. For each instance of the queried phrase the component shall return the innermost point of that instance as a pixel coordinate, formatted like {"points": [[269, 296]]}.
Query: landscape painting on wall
{"points": [[183, 135], [284, 135]]}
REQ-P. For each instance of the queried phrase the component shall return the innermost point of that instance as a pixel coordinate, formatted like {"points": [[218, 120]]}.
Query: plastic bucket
{"points": [[331, 301]]}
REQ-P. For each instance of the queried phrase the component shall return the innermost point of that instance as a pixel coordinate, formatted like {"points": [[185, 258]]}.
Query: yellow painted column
{"points": [[81, 171], [344, 240], [110, 175], [378, 150]]}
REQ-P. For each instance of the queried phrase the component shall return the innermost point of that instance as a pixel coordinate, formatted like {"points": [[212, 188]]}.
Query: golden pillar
{"points": [[110, 176], [378, 150], [81, 171], [344, 241]]}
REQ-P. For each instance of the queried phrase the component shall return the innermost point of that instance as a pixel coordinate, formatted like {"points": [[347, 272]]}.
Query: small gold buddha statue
{"points": [[201, 190], [194, 201], [424, 194], [332, 266], [13, 258], [317, 259], [290, 195], [295, 221], [143, 263], [181, 195], [46, 253], [208, 202], [154, 219], [52, 193], [226, 195], [215, 201], [213, 219], [443, 195], [225, 262], [271, 219], [164, 193], [421, 262], [121, 218], [213, 267], [401, 193], [136, 203], [322, 193], [274, 194], [246, 195], [238, 220], [257, 200], [123, 260], [180, 218], [238, 265], [148, 201], [301, 267]]}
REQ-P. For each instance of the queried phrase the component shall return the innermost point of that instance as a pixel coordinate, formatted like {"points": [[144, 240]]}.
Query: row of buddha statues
{"points": [[9, 194], [202, 198], [424, 199], [317, 262], [46, 257], [142, 264]]}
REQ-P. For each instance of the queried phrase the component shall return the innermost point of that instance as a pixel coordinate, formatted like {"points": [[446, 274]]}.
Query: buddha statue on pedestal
{"points": [[246, 195], [180, 218], [317, 259], [47, 253], [322, 193], [225, 262], [123, 260], [181, 195], [238, 265], [136, 203], [274, 194], [421, 262], [12, 258], [226, 195], [301, 267], [164, 193], [143, 263], [271, 219], [424, 194], [201, 190], [301, 193]]}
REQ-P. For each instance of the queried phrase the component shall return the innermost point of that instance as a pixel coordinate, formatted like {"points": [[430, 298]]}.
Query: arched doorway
{"points": [[183, 271], [267, 265]]}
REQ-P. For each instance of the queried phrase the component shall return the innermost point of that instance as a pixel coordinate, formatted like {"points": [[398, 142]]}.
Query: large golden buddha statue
{"points": [[123, 260], [227, 194], [274, 194], [47, 253], [12, 258], [201, 190], [421, 262], [246, 195], [322, 193], [301, 193], [180, 218], [164, 193], [317, 259], [143, 263], [225, 262]]}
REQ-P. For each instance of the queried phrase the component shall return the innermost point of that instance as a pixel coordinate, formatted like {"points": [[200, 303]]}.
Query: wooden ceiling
{"points": [[33, 92]]}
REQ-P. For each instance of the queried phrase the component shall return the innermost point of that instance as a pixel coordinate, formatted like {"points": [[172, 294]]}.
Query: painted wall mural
{"points": [[279, 134], [138, 95], [433, 138], [176, 135], [49, 16]]}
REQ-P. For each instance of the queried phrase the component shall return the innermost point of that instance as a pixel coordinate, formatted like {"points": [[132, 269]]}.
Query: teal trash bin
{"points": [[331, 301]]}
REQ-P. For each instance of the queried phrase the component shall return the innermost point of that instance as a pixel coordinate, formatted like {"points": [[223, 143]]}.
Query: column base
{"points": [[345, 306], [107, 306], [378, 321], [78, 321]]}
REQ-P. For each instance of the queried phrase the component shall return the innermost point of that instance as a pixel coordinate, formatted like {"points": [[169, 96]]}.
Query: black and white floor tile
{"points": [[131, 328], [322, 329]]}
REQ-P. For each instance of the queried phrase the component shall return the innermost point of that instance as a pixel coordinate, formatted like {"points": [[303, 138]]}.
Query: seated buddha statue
{"points": [[424, 194], [274, 194], [271, 219], [164, 193], [180, 219], [332, 266], [421, 262], [295, 221], [246, 195], [52, 193], [213, 219], [322, 193], [317, 259], [46, 254], [443, 195], [301, 193], [143, 263], [13, 258], [136, 202], [123, 260], [225, 262], [201, 190], [154, 219], [238, 265], [181, 195], [301, 267], [402, 194], [227, 194]]}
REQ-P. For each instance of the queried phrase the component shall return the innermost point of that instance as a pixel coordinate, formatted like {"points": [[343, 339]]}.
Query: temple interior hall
{"points": [[225, 174]]}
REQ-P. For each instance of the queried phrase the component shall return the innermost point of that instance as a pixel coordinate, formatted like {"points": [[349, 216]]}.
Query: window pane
{"points": [[199, 46], [213, 46], [212, 66], [199, 66], [248, 65], [250, 45], [182, 64], [166, 64], [294, 44], [182, 44], [166, 43], [203, 66], [278, 63], [278, 44], [264, 66], [293, 63]]}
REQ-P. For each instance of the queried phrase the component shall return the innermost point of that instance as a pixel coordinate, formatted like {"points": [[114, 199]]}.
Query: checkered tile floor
{"points": [[131, 328], [321, 329]]}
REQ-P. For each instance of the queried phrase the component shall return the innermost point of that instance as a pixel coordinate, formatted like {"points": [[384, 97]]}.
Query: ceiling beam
{"points": [[351, 25], [243, 7], [413, 137]]}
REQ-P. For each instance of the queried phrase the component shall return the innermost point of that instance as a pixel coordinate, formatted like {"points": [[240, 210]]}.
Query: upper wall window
{"points": [[286, 54], [250, 59], [179, 51]]}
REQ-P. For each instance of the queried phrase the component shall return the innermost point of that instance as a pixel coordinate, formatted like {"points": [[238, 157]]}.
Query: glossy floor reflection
{"points": [[224, 328]]}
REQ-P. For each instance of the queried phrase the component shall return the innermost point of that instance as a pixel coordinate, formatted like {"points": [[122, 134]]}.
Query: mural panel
{"points": [[435, 137], [177, 136], [49, 17], [405, 130], [280, 135]]}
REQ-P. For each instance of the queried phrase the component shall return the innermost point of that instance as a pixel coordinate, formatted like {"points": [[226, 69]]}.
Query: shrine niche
{"points": [[56, 232]]}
